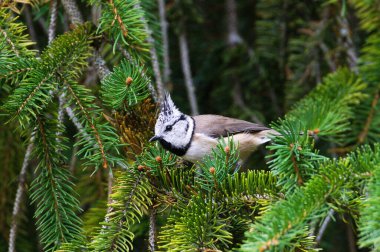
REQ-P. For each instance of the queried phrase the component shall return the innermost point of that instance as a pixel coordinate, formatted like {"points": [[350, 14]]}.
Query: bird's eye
{"points": [[168, 128]]}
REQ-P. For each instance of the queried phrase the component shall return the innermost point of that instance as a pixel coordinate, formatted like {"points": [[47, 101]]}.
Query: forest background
{"points": [[80, 85]]}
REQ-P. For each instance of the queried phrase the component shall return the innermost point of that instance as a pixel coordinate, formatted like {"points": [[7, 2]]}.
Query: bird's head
{"points": [[173, 129]]}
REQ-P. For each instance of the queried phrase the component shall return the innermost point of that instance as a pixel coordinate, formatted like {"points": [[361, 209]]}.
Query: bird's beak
{"points": [[155, 138]]}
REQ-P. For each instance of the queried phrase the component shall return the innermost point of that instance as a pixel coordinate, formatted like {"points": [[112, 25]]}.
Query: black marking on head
{"points": [[168, 146], [181, 118], [179, 151]]}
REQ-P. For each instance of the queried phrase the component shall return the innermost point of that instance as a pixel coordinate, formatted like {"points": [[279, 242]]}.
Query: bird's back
{"points": [[220, 126]]}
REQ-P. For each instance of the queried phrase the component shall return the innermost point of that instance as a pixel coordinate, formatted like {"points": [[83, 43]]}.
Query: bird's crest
{"points": [[168, 109]]}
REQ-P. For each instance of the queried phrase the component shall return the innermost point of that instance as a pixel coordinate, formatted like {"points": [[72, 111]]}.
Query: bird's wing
{"points": [[221, 126]]}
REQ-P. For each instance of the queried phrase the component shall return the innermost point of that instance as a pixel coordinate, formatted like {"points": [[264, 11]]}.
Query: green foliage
{"points": [[126, 86], [14, 41], [369, 223], [124, 21], [98, 139], [294, 159], [198, 225], [62, 60], [214, 169], [52, 191], [129, 202], [326, 111], [283, 49], [285, 222]]}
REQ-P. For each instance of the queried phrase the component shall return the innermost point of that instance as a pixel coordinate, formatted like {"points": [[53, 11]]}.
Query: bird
{"points": [[194, 137]]}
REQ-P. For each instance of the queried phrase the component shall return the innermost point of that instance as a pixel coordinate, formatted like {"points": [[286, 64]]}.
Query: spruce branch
{"points": [[126, 86], [130, 200], [286, 220], [370, 215], [101, 66], [13, 37], [64, 58], [52, 190], [103, 137], [198, 225]]}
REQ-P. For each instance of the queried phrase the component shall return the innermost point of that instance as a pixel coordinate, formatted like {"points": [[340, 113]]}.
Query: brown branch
{"points": [[274, 241], [296, 169], [295, 166], [363, 134], [88, 118], [33, 93], [118, 18], [16, 72], [7, 38]]}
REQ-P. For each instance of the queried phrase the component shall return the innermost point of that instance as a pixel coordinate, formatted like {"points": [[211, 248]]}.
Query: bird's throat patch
{"points": [[168, 146]]}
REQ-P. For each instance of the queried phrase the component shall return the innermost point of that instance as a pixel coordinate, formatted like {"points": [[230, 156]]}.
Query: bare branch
{"points": [[152, 229], [234, 39], [53, 20], [101, 66], [165, 40], [72, 10], [155, 64], [19, 196], [324, 225], [345, 33], [184, 49]]}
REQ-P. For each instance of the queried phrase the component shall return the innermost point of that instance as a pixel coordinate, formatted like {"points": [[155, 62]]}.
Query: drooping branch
{"points": [[90, 121]]}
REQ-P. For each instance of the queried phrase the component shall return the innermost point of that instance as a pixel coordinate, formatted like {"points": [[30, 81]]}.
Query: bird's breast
{"points": [[200, 146]]}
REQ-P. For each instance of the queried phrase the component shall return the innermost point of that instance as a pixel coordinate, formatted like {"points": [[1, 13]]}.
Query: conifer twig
{"points": [[94, 129], [184, 50], [19, 195], [363, 134], [165, 40], [297, 170]]}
